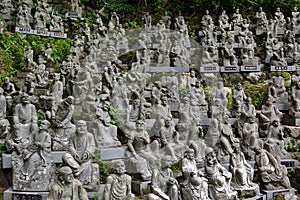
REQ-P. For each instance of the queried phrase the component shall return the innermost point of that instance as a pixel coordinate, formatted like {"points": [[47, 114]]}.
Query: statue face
{"points": [[120, 167], [44, 125], [81, 127], [190, 155], [67, 177]]}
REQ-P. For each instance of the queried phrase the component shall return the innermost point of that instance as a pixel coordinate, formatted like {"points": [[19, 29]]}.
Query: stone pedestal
{"points": [[140, 188], [258, 197], [291, 121], [271, 194]]}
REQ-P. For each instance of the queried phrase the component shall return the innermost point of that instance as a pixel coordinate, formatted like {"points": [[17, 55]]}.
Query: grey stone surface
{"points": [[291, 121], [167, 69], [140, 187], [282, 106], [271, 194]]}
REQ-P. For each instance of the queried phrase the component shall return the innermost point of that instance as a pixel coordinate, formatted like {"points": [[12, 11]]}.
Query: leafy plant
{"points": [[292, 146], [117, 116]]}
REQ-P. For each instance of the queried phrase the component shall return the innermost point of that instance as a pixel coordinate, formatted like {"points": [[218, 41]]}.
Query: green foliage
{"points": [[95, 196], [292, 146], [257, 92], [117, 116], [41, 114]]}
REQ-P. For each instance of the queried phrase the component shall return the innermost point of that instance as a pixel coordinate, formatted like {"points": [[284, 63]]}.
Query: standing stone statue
{"points": [[238, 97], [280, 95], [66, 186], [56, 24], [147, 19], [250, 137], [166, 20], [79, 156], [118, 185]]}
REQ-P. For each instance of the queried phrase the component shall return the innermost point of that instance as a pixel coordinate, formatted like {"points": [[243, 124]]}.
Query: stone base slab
{"points": [[140, 188], [271, 194]]}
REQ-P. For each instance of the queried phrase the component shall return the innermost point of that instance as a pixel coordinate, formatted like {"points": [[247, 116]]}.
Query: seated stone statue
{"points": [[163, 184], [61, 116], [79, 156], [294, 110], [219, 179], [33, 168], [25, 119], [66, 186], [118, 185], [140, 157], [194, 184], [275, 140], [106, 132], [281, 95], [250, 137], [242, 173], [272, 175], [213, 134]]}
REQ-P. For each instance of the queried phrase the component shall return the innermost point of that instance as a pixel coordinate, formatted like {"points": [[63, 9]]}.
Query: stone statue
{"points": [[147, 19], [48, 53], [228, 53], [25, 119], [61, 116], [4, 123], [41, 17], [106, 132], [219, 179], [213, 134], [24, 16], [114, 21], [56, 89], [118, 185], [199, 106], [250, 137], [237, 20], [272, 175], [295, 78], [194, 184], [166, 20], [219, 92], [294, 110], [140, 158], [163, 184], [238, 97], [28, 56], [206, 19], [289, 44], [33, 168], [242, 174], [57, 23], [66, 186], [275, 140], [75, 8], [262, 20], [280, 21], [79, 156], [295, 18], [226, 138], [280, 93], [224, 25], [210, 56]]}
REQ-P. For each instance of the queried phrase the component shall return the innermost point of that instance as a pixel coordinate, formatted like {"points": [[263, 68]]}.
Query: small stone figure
{"points": [[205, 19], [114, 22], [238, 97], [213, 134], [118, 185], [56, 24], [250, 137], [224, 25], [25, 119], [210, 56], [242, 174], [237, 20], [219, 179], [294, 110], [272, 175], [79, 156], [279, 21], [280, 95], [41, 17], [75, 8], [295, 18], [228, 53], [24, 16], [147, 19], [262, 21], [194, 185], [66, 186], [289, 44], [166, 20], [28, 56], [219, 92]]}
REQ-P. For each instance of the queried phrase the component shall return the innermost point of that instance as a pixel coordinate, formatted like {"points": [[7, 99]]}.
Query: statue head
{"points": [[190, 154], [168, 122], [25, 99], [6, 80], [81, 127], [69, 100], [44, 124], [140, 125], [119, 167], [65, 174]]}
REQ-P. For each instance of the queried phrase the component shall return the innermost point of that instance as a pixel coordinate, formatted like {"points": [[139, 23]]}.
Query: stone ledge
{"points": [[270, 194]]}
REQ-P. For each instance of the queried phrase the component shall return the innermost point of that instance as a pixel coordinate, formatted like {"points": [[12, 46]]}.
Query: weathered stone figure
{"points": [[118, 185], [79, 155], [67, 187]]}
